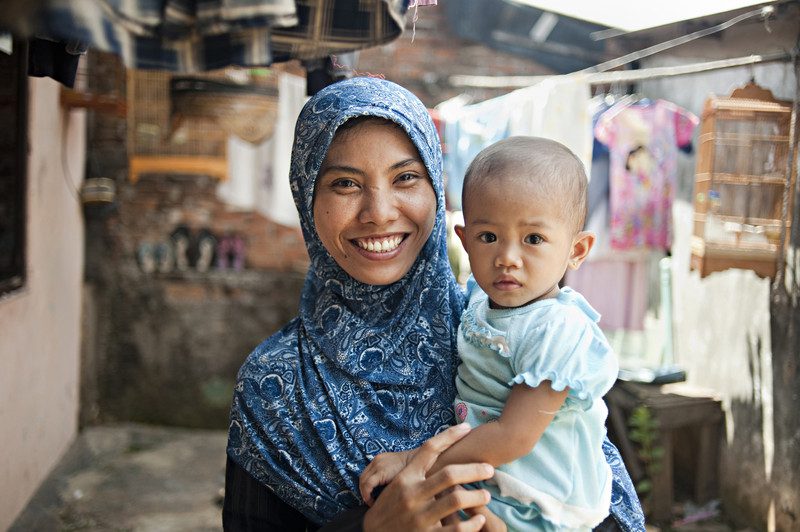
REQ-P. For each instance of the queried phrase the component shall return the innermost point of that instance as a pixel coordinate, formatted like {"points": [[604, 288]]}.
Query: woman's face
{"points": [[374, 206]]}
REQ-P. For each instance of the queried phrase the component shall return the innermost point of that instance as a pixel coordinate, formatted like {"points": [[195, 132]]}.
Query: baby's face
{"points": [[519, 244]]}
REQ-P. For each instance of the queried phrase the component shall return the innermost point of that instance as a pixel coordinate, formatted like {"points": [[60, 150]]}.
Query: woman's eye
{"points": [[534, 239], [487, 238], [405, 178], [343, 183]]}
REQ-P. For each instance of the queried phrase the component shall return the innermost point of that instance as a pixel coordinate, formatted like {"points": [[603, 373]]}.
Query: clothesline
{"points": [[621, 76]]}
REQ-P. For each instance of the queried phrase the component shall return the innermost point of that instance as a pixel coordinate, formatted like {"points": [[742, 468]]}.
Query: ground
{"points": [[141, 478], [133, 478]]}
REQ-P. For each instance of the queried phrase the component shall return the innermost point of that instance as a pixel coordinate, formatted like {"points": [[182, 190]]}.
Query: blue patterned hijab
{"points": [[363, 369]]}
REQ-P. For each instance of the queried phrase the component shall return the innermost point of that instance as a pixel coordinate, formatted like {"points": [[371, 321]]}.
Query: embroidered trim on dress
{"points": [[480, 335]]}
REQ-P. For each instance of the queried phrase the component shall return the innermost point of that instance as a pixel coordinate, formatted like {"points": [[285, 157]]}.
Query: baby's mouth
{"points": [[379, 245]]}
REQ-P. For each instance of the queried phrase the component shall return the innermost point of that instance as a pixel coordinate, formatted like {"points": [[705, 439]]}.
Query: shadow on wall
{"points": [[171, 346]]}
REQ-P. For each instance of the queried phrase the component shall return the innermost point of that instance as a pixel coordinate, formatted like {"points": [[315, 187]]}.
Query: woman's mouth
{"points": [[385, 244]]}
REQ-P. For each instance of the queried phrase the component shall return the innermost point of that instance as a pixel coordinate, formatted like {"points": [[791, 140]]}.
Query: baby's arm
{"points": [[525, 417]]}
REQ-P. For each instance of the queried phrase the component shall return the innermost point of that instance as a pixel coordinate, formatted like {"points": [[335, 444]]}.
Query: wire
{"points": [[646, 52]]}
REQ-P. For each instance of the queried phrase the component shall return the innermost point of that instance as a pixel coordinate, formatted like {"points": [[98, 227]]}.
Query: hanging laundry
{"points": [[199, 35], [555, 108], [598, 191], [467, 130], [258, 175], [618, 287], [643, 140], [276, 201]]}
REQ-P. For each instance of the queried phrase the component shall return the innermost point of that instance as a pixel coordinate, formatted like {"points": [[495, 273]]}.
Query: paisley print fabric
{"points": [[625, 505], [363, 369]]}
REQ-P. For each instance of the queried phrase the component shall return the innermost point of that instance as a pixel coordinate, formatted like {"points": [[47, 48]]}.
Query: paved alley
{"points": [[133, 478]]}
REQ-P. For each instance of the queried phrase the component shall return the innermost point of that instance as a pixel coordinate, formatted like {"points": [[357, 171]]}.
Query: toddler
{"points": [[534, 363]]}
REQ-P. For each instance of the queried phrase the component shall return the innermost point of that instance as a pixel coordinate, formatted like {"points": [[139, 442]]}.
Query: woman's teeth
{"points": [[380, 245]]}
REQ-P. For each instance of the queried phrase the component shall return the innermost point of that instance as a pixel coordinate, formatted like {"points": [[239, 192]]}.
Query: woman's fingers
{"points": [[474, 524], [454, 475], [456, 500], [492, 523]]}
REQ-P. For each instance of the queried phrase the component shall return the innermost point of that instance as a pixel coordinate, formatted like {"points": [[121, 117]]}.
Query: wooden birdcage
{"points": [[181, 124], [741, 182]]}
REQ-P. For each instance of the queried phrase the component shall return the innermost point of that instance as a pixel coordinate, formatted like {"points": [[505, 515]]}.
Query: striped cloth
{"points": [[198, 35]]}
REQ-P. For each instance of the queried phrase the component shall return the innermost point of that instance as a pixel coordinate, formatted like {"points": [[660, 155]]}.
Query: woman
{"points": [[368, 365]]}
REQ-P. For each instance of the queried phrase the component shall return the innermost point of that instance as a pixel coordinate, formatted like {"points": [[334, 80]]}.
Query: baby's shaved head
{"points": [[556, 172]]}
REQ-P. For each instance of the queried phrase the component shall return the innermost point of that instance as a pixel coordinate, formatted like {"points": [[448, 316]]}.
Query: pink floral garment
{"points": [[643, 141]]}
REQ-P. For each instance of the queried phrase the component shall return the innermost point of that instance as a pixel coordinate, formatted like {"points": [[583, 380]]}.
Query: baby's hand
{"points": [[381, 471]]}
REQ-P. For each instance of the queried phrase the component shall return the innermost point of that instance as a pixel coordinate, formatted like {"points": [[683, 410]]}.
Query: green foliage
{"points": [[644, 432]]}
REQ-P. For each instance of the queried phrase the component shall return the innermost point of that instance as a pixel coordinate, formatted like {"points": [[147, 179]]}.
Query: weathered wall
{"points": [[165, 347], [732, 336], [40, 323]]}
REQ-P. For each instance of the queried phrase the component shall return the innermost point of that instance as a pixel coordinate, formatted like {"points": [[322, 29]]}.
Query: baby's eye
{"points": [[488, 238], [534, 239]]}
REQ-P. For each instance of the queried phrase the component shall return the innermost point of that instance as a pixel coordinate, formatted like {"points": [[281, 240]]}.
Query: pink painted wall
{"points": [[40, 323]]}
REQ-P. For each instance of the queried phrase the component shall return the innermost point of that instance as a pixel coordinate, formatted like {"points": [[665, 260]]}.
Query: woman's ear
{"points": [[581, 246], [459, 229]]}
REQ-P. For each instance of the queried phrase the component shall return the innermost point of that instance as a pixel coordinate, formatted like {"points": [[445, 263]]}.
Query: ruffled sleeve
{"points": [[565, 346]]}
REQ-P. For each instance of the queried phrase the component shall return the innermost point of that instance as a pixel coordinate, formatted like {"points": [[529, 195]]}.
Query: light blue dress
{"points": [[564, 483]]}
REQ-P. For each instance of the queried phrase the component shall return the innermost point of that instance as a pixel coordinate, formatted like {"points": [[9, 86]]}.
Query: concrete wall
{"points": [[725, 324], [40, 323]]}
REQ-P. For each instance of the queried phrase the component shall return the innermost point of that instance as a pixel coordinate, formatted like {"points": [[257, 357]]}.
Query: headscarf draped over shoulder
{"points": [[363, 369]]}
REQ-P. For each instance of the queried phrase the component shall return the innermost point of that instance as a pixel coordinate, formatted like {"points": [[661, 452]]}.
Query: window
{"points": [[13, 165]]}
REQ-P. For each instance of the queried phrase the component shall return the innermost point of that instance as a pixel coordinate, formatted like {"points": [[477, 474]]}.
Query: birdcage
{"points": [[181, 124], [742, 180]]}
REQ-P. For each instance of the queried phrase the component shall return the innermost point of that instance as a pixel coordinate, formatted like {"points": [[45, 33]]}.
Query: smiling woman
{"points": [[368, 366], [374, 204]]}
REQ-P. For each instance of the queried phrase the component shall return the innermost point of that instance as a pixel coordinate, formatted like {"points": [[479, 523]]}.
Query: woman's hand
{"points": [[381, 471], [410, 501]]}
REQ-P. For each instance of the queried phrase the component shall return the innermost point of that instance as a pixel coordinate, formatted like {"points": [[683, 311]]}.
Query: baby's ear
{"points": [[459, 229], [581, 246]]}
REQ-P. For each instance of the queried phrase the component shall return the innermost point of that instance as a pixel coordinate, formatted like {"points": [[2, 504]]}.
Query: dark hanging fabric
{"points": [[200, 35], [57, 60]]}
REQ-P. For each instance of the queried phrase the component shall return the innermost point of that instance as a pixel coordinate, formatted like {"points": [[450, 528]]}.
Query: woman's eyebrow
{"points": [[342, 168], [406, 162]]}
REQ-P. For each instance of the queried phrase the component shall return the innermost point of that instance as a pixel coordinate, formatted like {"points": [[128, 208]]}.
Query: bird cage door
{"points": [[742, 179]]}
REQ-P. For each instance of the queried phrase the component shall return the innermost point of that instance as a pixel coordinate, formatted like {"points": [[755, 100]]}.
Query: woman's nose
{"points": [[508, 257], [379, 207]]}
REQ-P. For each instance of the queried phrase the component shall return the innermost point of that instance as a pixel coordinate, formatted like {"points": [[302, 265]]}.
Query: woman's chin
{"points": [[380, 273]]}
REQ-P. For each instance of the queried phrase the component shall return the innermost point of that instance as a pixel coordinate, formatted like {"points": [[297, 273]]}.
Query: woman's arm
{"points": [[526, 414]]}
